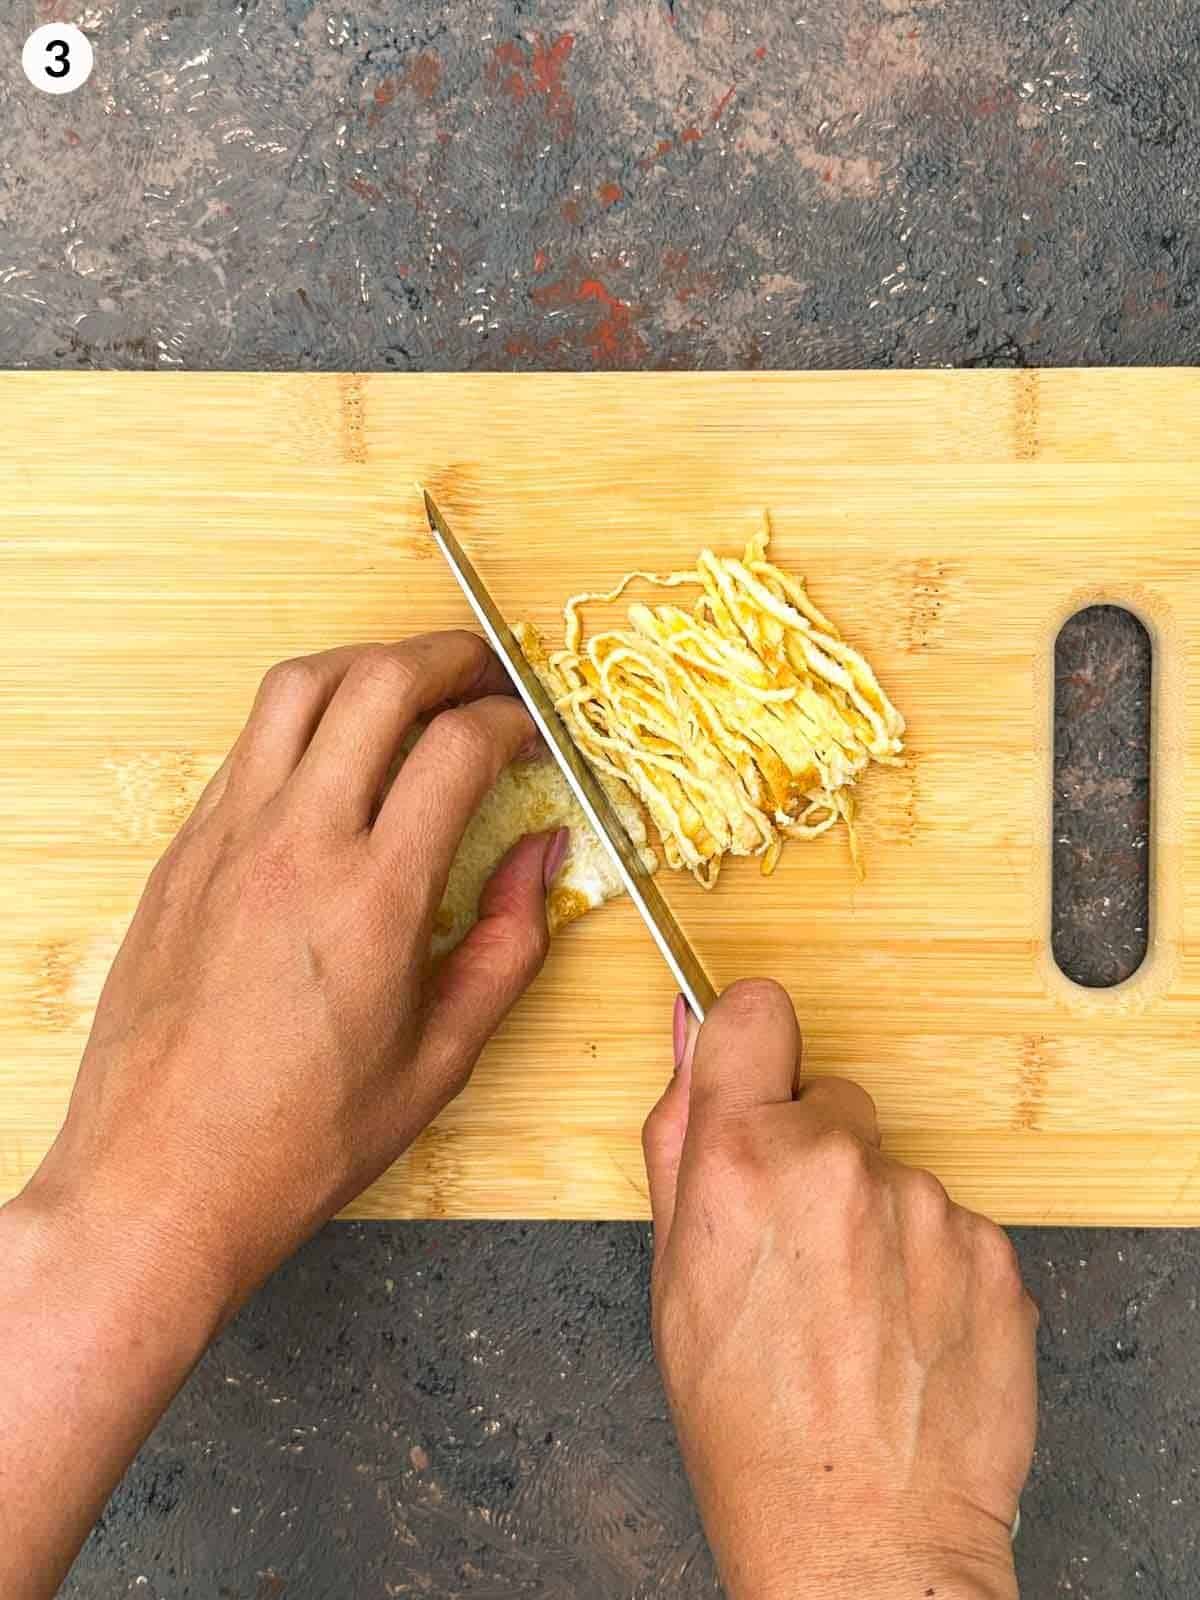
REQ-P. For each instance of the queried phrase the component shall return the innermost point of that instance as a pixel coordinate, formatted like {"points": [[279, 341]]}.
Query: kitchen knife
{"points": [[689, 974]]}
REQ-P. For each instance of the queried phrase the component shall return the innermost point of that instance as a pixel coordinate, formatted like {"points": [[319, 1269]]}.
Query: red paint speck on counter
{"points": [[719, 108]]}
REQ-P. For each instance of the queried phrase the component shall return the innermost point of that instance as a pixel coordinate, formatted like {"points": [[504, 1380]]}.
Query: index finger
{"points": [[439, 788], [382, 693]]}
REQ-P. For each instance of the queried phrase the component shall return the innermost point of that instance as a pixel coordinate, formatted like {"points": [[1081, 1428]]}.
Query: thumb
{"points": [[480, 981], [748, 1053], [666, 1126]]}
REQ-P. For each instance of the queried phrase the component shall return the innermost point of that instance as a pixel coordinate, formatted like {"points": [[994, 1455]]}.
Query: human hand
{"points": [[849, 1357], [269, 1039]]}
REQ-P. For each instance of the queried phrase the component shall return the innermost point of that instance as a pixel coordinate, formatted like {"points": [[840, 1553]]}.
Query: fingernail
{"points": [[555, 856], [679, 1030]]}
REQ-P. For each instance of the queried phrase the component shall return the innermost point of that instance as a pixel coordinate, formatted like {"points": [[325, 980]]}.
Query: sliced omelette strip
{"points": [[738, 724]]}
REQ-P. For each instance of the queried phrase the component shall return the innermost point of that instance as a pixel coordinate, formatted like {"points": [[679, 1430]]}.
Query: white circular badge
{"points": [[58, 58]]}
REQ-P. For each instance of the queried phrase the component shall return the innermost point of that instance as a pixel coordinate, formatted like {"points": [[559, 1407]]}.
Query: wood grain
{"points": [[163, 539]]}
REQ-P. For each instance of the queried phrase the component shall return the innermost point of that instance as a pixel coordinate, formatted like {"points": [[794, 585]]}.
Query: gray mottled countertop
{"points": [[470, 1410]]}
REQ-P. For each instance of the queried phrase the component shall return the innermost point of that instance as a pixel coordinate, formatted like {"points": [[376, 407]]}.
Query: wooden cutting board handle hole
{"points": [[1109, 809], [1102, 843]]}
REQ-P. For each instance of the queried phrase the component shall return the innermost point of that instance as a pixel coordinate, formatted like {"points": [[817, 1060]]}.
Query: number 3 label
{"points": [[57, 58]]}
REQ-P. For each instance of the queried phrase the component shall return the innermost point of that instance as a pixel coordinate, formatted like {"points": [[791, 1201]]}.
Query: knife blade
{"points": [[694, 983]]}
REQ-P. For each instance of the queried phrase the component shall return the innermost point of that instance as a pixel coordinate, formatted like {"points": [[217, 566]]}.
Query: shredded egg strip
{"points": [[738, 724]]}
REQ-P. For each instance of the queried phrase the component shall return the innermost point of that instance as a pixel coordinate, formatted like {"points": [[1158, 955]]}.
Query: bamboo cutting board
{"points": [[163, 539]]}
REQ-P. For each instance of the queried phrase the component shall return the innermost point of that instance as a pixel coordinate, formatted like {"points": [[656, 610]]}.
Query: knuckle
{"points": [[996, 1255], [462, 740], [657, 1130], [843, 1160], [288, 680], [515, 948], [528, 945], [383, 669], [470, 643], [838, 1095], [927, 1197]]}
